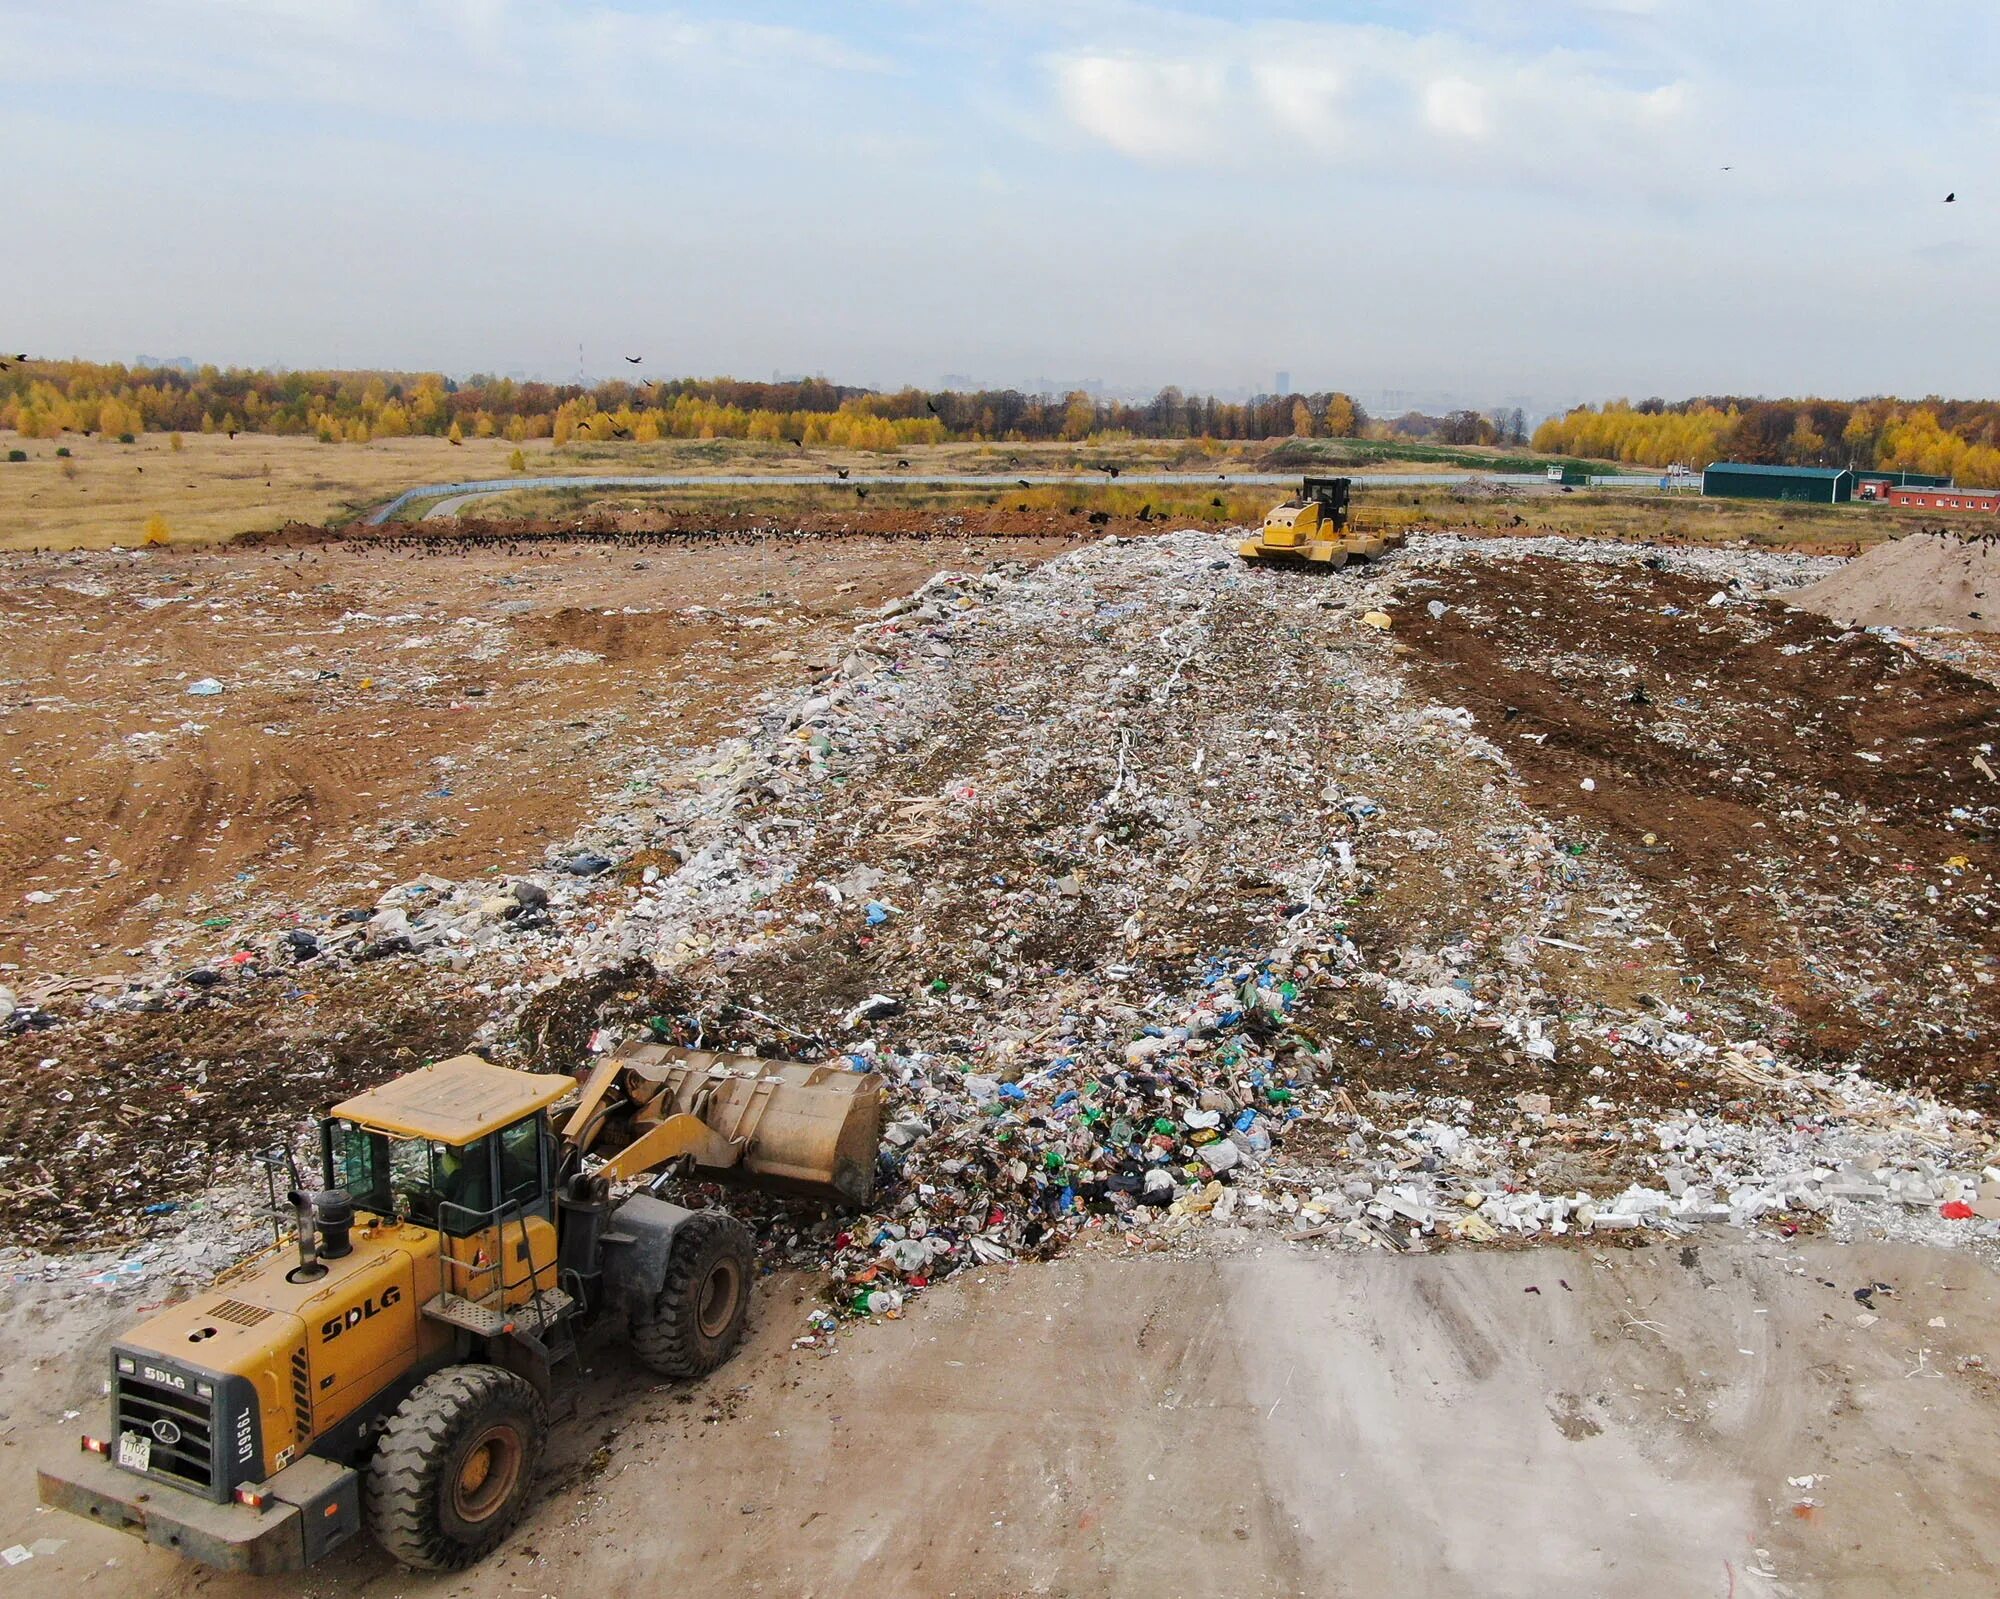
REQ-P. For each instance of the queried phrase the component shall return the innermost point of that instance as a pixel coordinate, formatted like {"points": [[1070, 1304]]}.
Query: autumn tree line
{"points": [[1958, 439], [44, 399]]}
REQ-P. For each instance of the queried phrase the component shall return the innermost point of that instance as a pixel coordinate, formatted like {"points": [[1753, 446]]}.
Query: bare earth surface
{"points": [[387, 706], [1554, 1424]]}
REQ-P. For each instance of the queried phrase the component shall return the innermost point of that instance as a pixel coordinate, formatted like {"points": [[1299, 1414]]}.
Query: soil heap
{"points": [[1926, 580]]}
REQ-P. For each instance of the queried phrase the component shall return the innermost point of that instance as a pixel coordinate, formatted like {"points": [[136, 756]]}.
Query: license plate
{"points": [[135, 1451]]}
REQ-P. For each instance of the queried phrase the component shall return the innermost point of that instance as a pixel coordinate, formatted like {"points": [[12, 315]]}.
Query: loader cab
{"points": [[456, 1188], [461, 1149]]}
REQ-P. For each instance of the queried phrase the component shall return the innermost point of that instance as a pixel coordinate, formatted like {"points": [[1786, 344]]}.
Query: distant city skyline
{"points": [[1587, 198]]}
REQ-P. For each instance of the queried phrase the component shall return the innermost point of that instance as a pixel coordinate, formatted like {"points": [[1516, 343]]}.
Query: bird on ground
{"points": [[635, 359], [232, 433], [1952, 198], [1114, 470]]}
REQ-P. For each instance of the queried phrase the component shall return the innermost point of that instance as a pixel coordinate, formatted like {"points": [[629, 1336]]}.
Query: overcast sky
{"points": [[1492, 199]]}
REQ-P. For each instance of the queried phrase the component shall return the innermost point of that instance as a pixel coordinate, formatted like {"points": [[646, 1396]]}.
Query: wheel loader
{"points": [[394, 1364], [1316, 529]]}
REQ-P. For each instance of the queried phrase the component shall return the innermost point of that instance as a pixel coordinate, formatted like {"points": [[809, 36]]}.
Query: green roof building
{"points": [[1901, 480], [1822, 485]]}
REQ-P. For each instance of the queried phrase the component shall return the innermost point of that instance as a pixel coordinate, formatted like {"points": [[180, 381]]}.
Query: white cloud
{"points": [[1372, 99], [1457, 108], [1172, 110], [533, 61]]}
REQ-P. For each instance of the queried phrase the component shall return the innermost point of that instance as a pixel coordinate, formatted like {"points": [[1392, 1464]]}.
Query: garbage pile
{"points": [[1077, 856], [1171, 909]]}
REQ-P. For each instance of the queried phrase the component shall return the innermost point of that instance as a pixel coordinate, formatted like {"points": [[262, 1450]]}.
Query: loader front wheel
{"points": [[455, 1466], [696, 1319]]}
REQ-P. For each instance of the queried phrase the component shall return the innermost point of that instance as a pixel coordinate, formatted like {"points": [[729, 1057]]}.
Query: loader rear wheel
{"points": [[455, 1466], [697, 1317]]}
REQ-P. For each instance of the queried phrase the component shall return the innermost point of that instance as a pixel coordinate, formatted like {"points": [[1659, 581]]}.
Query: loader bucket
{"points": [[792, 1127]]}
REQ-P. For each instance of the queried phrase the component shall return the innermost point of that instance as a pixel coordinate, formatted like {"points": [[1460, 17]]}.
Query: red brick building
{"points": [[1927, 499]]}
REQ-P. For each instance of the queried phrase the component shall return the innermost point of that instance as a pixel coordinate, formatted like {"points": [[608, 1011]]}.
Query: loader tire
{"points": [[455, 1466], [697, 1317]]}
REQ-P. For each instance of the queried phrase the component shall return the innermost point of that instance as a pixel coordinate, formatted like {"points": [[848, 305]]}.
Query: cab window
{"points": [[521, 1163], [433, 1184]]}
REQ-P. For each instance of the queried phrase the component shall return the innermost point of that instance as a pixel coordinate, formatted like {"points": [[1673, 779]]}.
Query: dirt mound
{"points": [[1937, 579], [1807, 804]]}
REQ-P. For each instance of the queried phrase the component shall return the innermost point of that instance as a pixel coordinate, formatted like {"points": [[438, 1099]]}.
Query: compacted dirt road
{"points": [[1571, 1423]]}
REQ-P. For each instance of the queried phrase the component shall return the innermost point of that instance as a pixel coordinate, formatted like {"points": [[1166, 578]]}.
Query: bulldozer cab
{"points": [[1330, 494]]}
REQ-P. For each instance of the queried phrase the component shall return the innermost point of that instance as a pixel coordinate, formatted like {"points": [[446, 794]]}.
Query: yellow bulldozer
{"points": [[393, 1364], [1316, 529]]}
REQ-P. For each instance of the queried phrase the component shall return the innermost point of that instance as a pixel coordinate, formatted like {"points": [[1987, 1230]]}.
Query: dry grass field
{"points": [[214, 487], [217, 488]]}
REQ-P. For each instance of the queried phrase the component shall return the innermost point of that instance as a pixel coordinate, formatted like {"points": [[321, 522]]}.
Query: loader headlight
{"points": [[204, 1390], [127, 1366]]}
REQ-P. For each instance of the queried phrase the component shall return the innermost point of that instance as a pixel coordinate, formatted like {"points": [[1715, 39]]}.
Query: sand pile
{"points": [[1925, 580]]}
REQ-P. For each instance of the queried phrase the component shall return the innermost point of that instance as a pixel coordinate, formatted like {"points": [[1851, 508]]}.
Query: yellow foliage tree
{"points": [[1079, 416], [517, 462], [1340, 417], [1302, 420]]}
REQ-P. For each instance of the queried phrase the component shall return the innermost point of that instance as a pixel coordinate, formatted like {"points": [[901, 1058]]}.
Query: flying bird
{"points": [[929, 403], [635, 359], [1952, 198], [861, 490], [457, 444], [621, 433], [583, 427], [841, 473], [902, 463], [1022, 481]]}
